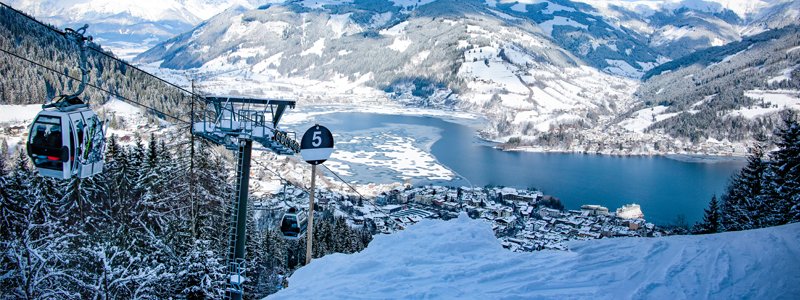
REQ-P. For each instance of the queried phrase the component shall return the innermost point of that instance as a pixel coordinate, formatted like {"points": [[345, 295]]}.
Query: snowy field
{"points": [[18, 113], [14, 122], [462, 259], [645, 117], [776, 100]]}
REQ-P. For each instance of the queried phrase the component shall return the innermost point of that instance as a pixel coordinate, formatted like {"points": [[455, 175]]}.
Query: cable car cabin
{"points": [[67, 141], [293, 224]]}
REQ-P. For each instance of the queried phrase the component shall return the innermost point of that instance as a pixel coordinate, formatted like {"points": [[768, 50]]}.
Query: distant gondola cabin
{"points": [[293, 223]]}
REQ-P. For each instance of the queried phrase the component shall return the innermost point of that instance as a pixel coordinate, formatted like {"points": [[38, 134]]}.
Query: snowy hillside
{"points": [[724, 93], [743, 8], [461, 258]]}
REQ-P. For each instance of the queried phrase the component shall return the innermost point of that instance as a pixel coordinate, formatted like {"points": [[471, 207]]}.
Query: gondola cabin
{"points": [[293, 223], [66, 141]]}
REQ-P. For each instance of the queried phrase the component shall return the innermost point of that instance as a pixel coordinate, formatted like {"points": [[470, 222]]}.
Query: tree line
{"points": [[766, 192], [148, 227]]}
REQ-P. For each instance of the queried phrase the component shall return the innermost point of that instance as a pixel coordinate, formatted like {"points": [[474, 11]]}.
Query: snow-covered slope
{"points": [[461, 258]]}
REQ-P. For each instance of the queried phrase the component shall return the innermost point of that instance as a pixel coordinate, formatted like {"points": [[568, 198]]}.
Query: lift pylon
{"points": [[236, 123]]}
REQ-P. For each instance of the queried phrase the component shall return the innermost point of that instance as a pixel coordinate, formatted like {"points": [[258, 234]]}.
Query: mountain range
{"points": [[556, 74], [128, 26]]}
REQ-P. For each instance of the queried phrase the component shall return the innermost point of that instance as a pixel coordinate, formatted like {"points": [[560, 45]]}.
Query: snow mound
{"points": [[462, 259]]}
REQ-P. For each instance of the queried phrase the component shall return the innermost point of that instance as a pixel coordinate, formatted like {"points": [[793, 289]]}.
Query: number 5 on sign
{"points": [[316, 140], [317, 145]]}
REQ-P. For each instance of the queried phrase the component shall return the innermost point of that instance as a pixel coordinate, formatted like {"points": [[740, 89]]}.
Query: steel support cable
{"points": [[352, 188], [93, 85], [100, 51]]}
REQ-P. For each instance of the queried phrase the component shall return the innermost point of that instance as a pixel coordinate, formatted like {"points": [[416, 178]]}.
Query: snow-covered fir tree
{"points": [[711, 219], [765, 192], [785, 166]]}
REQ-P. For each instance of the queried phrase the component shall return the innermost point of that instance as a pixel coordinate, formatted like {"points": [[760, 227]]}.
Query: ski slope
{"points": [[461, 258]]}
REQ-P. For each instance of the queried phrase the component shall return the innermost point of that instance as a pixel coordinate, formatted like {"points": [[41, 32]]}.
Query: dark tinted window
{"points": [[46, 142]]}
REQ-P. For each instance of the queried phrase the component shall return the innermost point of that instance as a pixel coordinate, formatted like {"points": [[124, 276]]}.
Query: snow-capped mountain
{"points": [[539, 70], [679, 27], [128, 26]]}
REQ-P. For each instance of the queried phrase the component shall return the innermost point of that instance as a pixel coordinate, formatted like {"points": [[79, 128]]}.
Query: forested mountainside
{"points": [[723, 92], [22, 82]]}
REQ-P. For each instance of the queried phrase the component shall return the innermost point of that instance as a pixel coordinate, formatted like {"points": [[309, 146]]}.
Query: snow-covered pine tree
{"points": [[742, 204], [3, 193], [17, 189], [323, 238], [207, 210], [202, 274], [254, 255], [711, 219], [3, 149], [36, 245], [365, 236], [119, 167], [174, 199], [276, 250], [153, 175], [138, 159], [113, 270], [275, 263], [784, 188], [152, 151]]}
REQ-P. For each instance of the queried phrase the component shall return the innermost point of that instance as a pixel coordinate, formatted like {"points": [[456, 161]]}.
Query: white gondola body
{"points": [[293, 224], [67, 142]]}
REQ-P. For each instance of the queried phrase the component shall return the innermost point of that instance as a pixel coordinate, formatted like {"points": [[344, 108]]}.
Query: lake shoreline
{"points": [[682, 157], [474, 121]]}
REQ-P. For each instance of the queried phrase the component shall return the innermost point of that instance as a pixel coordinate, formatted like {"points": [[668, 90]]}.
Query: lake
{"points": [[665, 188]]}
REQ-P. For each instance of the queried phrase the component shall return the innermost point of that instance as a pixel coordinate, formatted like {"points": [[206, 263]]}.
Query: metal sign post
{"points": [[310, 229], [315, 147]]}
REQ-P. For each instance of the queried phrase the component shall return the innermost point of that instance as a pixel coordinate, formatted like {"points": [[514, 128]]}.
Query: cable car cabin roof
{"points": [[66, 104]]}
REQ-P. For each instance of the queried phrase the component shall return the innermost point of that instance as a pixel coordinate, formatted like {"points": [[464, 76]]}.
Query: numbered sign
{"points": [[317, 145]]}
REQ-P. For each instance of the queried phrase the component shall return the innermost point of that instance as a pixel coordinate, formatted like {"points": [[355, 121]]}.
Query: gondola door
{"points": [[76, 142], [84, 159]]}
